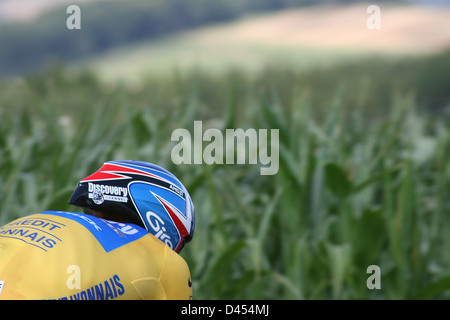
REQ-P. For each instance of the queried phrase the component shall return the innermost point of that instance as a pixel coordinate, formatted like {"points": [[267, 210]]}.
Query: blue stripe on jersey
{"points": [[111, 235]]}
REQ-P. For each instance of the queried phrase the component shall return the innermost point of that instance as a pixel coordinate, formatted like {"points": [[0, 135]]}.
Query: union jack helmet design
{"points": [[146, 194]]}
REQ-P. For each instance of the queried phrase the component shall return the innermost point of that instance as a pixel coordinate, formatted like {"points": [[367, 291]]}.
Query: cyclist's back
{"points": [[65, 255]]}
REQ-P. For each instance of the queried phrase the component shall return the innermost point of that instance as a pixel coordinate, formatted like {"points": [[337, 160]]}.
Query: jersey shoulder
{"points": [[173, 281]]}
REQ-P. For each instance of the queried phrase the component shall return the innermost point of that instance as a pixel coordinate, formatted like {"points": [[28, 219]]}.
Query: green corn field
{"points": [[363, 173]]}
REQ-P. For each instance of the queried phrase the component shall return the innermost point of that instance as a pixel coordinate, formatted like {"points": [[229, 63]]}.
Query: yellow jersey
{"points": [[75, 256]]}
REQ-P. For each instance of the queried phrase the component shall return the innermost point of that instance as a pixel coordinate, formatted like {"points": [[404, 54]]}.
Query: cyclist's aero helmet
{"points": [[145, 194]]}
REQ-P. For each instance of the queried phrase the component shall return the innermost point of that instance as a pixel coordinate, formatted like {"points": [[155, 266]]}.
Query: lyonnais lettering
{"points": [[101, 192], [36, 238], [106, 290]]}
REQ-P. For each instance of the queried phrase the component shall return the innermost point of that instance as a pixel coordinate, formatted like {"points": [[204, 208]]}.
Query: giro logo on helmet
{"points": [[157, 224]]}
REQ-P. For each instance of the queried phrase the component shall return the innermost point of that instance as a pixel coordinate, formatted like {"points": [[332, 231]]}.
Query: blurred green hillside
{"points": [[30, 45]]}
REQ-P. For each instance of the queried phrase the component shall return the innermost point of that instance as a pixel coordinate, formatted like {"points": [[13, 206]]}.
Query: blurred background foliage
{"points": [[364, 143], [30, 45]]}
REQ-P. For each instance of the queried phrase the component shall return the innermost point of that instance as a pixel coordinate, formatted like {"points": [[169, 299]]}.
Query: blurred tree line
{"points": [[30, 45]]}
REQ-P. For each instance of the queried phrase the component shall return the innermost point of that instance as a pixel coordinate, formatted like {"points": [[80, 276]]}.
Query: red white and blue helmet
{"points": [[145, 194]]}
